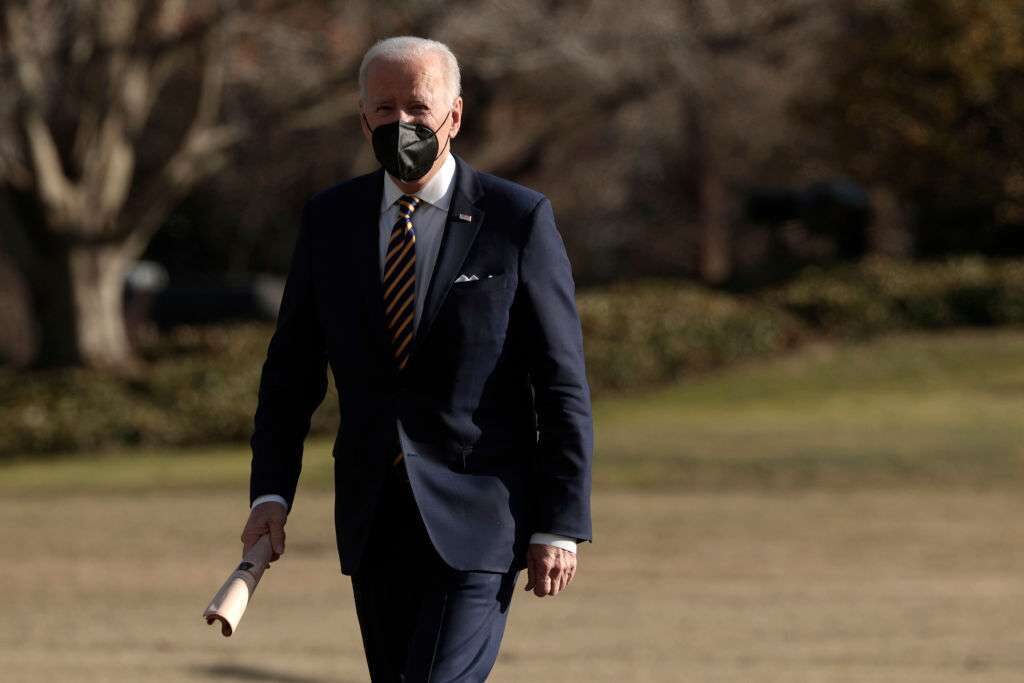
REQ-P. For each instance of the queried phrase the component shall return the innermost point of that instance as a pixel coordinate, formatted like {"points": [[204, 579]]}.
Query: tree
{"points": [[644, 127], [927, 101], [117, 109], [641, 125], [86, 78], [645, 123]]}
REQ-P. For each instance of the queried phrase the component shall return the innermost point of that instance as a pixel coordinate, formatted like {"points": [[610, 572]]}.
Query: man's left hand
{"points": [[548, 569]]}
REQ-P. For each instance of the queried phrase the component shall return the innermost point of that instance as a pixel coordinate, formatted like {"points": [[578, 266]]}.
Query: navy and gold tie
{"points": [[400, 284], [400, 281]]}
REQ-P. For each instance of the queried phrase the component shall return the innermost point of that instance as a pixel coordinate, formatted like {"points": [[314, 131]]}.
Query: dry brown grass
{"points": [[908, 585]]}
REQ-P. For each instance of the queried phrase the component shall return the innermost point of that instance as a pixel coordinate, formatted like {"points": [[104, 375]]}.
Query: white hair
{"points": [[402, 48]]}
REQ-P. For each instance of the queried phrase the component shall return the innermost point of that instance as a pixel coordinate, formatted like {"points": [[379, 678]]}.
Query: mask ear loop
{"points": [[447, 140]]}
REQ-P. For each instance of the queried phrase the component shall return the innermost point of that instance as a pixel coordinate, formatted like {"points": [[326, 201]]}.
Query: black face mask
{"points": [[406, 150]]}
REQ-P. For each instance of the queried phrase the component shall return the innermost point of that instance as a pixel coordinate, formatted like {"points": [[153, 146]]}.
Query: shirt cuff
{"points": [[563, 542], [270, 498]]}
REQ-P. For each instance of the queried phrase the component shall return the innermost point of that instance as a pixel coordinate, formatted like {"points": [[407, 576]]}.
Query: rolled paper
{"points": [[229, 604]]}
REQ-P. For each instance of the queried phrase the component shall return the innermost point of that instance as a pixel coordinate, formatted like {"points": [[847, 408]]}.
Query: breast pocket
{"points": [[484, 284], [478, 311]]}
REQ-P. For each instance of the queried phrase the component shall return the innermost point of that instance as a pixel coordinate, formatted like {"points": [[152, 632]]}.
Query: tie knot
{"points": [[407, 204]]}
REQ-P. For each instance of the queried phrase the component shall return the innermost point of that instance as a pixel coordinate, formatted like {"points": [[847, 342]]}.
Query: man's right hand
{"points": [[266, 518]]}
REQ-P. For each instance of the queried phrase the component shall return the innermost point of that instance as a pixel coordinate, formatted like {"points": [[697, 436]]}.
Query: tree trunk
{"points": [[715, 247], [17, 319], [78, 296], [713, 262]]}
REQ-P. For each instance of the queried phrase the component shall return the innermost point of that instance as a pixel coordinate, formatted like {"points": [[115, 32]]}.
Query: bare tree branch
{"points": [[211, 88]]}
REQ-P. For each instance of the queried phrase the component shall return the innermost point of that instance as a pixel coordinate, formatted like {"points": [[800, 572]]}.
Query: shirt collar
{"points": [[438, 192]]}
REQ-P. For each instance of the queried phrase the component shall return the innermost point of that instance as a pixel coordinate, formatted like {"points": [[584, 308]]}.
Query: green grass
{"points": [[930, 409], [943, 409], [132, 471]]}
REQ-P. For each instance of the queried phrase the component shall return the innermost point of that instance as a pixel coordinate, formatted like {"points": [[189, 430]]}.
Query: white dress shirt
{"points": [[429, 221]]}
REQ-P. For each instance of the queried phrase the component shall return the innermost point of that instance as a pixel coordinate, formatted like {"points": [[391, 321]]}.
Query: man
{"points": [[443, 300]]}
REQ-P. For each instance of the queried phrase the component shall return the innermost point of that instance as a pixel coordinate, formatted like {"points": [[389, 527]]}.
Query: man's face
{"points": [[413, 91]]}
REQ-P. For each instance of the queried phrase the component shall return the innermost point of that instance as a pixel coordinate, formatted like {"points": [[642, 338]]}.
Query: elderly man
{"points": [[443, 300]]}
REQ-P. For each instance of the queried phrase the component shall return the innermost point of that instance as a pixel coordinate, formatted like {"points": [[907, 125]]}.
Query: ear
{"points": [[456, 117]]}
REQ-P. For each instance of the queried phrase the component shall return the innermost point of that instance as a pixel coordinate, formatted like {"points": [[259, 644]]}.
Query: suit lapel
{"points": [[367, 227], [458, 237]]}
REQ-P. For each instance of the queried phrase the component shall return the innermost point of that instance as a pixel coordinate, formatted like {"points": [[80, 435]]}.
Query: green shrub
{"points": [[647, 333], [201, 383], [200, 387], [883, 295]]}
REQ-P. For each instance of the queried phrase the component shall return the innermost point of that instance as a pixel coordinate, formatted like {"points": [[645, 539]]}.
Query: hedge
{"points": [[200, 384], [647, 333], [884, 295], [199, 387]]}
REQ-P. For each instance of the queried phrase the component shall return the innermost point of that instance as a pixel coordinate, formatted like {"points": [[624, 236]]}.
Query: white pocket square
{"points": [[466, 278]]}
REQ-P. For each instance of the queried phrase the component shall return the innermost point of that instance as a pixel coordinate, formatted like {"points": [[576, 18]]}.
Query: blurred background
{"points": [[797, 230]]}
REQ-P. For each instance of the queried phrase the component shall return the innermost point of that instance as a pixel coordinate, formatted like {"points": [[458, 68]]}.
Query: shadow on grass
{"points": [[252, 673]]}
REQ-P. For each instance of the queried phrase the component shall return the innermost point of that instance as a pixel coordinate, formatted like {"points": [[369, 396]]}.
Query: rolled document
{"points": [[229, 604]]}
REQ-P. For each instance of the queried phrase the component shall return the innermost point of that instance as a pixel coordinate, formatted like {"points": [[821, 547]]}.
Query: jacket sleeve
{"points": [[293, 380], [562, 469]]}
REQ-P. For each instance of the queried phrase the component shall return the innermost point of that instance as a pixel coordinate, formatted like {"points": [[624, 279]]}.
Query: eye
{"points": [[383, 107]]}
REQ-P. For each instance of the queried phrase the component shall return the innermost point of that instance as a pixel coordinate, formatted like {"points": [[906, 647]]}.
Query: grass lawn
{"points": [[854, 586], [929, 409], [841, 515], [924, 409]]}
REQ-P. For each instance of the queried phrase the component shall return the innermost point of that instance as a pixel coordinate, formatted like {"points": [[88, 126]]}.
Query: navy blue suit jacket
{"points": [[494, 398]]}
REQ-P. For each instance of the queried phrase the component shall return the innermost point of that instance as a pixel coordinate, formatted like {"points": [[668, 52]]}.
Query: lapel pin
{"points": [[466, 218]]}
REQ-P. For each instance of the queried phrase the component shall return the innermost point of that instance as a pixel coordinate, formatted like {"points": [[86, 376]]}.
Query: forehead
{"points": [[421, 77]]}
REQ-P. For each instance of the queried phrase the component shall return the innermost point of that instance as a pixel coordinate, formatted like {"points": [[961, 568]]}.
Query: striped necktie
{"points": [[400, 284], [400, 281]]}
